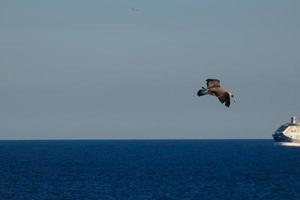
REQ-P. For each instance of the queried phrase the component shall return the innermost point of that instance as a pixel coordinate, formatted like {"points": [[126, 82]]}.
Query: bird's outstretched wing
{"points": [[212, 83], [225, 98]]}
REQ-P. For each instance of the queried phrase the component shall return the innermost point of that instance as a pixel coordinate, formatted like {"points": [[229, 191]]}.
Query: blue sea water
{"points": [[148, 169]]}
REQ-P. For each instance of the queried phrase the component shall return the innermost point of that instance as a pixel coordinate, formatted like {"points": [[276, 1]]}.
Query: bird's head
{"points": [[232, 96]]}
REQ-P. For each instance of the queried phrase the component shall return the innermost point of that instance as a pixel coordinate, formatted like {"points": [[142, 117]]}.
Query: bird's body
{"points": [[214, 89]]}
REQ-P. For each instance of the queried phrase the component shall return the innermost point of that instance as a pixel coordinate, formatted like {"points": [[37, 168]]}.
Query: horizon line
{"points": [[128, 139]]}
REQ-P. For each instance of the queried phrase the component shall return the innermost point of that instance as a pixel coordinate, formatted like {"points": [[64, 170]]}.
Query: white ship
{"points": [[288, 134]]}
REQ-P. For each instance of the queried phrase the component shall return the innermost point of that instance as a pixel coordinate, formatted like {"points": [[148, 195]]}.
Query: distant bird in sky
{"points": [[135, 9], [213, 88]]}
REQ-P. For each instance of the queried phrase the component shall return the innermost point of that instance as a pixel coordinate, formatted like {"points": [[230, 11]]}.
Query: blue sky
{"points": [[131, 69]]}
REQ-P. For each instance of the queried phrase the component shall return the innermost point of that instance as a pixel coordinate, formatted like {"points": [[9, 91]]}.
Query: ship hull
{"points": [[287, 144], [283, 140]]}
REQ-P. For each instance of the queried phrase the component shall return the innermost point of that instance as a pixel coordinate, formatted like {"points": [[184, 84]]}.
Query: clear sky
{"points": [[131, 69]]}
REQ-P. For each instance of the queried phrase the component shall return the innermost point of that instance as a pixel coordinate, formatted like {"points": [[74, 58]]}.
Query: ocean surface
{"points": [[148, 169]]}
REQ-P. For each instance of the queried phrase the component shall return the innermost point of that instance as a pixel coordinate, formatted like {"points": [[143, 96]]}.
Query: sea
{"points": [[148, 170]]}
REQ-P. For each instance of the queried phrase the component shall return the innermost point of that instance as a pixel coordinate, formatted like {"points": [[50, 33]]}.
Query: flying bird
{"points": [[135, 9], [213, 88]]}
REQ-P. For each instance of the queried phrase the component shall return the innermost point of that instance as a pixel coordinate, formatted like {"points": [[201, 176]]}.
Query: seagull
{"points": [[214, 89], [135, 9]]}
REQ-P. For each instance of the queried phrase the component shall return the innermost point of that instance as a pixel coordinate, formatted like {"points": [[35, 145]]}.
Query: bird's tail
{"points": [[202, 92]]}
